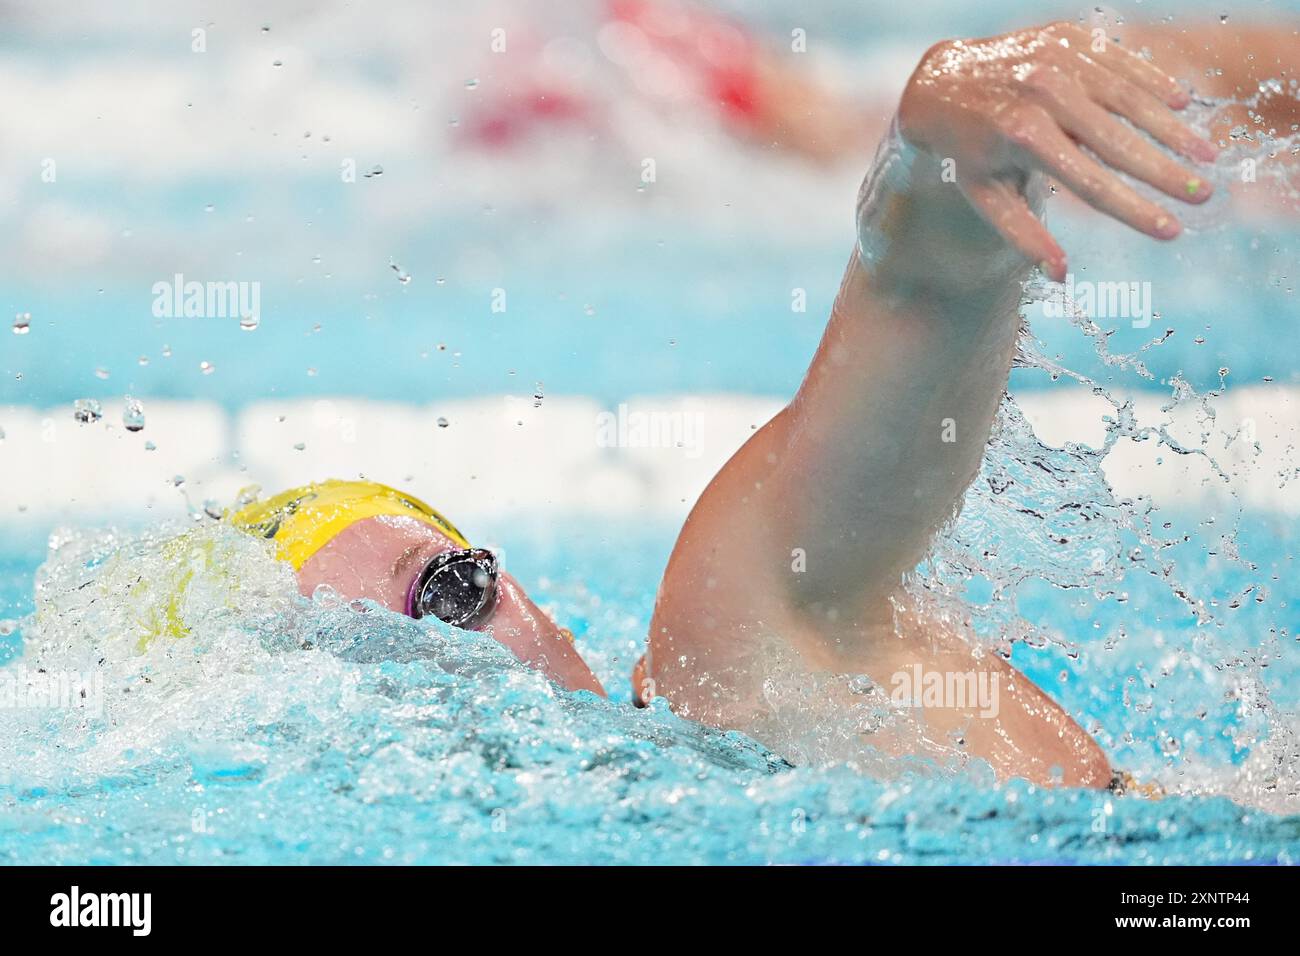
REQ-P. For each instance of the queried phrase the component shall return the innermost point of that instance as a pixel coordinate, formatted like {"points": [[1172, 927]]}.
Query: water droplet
{"points": [[22, 323], [209, 208], [133, 414], [374, 172], [87, 410], [300, 446], [166, 351], [538, 396], [150, 446], [143, 360], [249, 322], [442, 422], [101, 373], [326, 596], [178, 480], [402, 277], [277, 63], [471, 84], [206, 368], [589, 309], [1223, 18]]}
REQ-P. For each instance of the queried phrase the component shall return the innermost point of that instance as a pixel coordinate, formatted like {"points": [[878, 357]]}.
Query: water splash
{"points": [[1043, 518], [286, 729], [87, 411], [133, 414]]}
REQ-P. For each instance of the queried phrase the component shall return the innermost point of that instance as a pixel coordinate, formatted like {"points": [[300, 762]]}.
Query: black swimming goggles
{"points": [[457, 587]]}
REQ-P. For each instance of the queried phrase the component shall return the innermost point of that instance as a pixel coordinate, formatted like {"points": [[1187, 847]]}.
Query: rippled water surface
{"points": [[288, 730]]}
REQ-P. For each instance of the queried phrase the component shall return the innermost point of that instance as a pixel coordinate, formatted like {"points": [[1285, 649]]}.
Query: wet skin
{"points": [[380, 558]]}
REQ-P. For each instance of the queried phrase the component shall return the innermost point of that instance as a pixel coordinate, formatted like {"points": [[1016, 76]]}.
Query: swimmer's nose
{"points": [[538, 641]]}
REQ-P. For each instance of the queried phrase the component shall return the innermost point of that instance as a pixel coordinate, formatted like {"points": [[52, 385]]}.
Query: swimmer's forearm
{"points": [[892, 418], [895, 411]]}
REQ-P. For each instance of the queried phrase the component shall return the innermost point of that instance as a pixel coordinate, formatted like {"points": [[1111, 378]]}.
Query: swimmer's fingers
{"points": [[1148, 113], [1113, 142], [1006, 211], [1046, 147], [1098, 47]]}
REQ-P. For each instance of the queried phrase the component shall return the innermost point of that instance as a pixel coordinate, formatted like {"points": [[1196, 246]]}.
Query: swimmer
{"points": [[371, 542], [710, 64], [876, 449]]}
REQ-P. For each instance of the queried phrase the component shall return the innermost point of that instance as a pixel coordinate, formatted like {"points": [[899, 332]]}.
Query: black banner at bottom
{"points": [[337, 905]]}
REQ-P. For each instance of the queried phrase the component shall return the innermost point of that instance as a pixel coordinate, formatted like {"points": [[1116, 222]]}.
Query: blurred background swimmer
{"points": [[685, 58]]}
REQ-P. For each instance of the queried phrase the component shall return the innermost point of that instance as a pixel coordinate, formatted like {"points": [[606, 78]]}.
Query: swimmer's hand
{"points": [[1047, 100]]}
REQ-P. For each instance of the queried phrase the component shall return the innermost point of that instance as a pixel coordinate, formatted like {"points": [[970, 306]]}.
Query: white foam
{"points": [[501, 456]]}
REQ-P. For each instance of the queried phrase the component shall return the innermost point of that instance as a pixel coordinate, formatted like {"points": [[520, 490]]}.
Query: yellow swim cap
{"points": [[303, 520]]}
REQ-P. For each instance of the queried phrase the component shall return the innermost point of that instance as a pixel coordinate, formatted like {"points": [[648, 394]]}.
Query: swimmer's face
{"points": [[380, 558]]}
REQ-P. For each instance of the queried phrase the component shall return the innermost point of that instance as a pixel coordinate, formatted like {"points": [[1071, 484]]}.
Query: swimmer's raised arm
{"points": [[807, 532], [890, 425]]}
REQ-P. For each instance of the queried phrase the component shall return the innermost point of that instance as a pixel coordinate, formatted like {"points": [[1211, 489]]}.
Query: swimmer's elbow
{"points": [[1092, 769]]}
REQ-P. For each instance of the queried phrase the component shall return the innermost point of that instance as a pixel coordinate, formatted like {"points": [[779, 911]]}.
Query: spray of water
{"points": [[1039, 514]]}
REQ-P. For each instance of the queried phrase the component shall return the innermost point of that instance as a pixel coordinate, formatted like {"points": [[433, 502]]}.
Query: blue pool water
{"points": [[294, 731], [396, 741]]}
